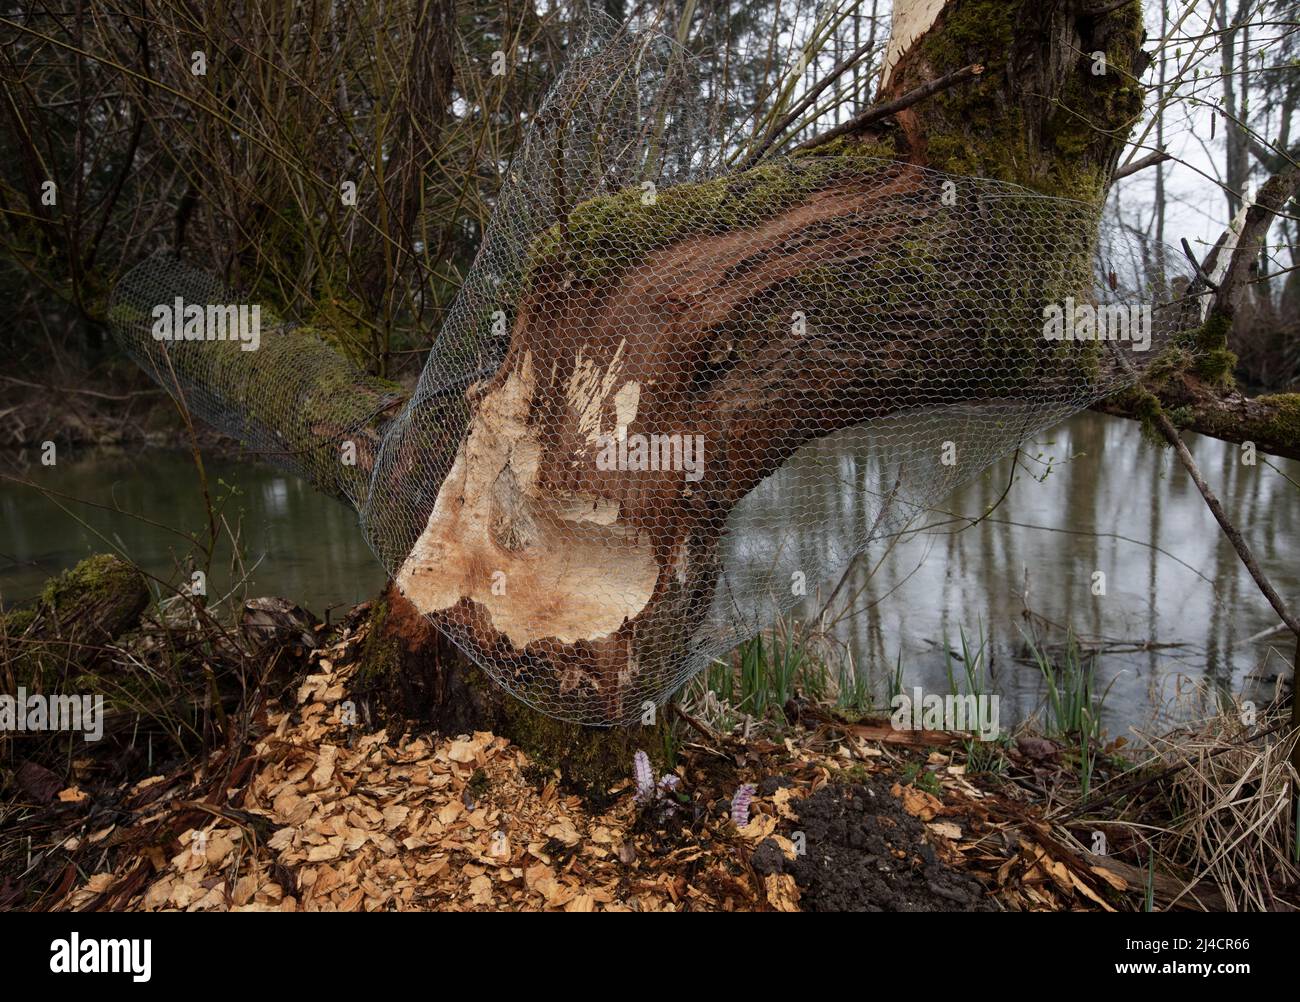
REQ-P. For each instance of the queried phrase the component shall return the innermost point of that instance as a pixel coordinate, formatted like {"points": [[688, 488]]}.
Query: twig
{"points": [[696, 725], [1201, 273], [88, 393], [895, 106], [1150, 160]]}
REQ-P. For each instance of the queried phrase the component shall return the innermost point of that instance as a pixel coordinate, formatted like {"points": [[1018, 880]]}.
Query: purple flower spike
{"points": [[645, 779], [740, 802]]}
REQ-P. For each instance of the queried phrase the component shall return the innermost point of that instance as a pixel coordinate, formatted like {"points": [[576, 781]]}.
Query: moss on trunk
{"points": [[1048, 112]]}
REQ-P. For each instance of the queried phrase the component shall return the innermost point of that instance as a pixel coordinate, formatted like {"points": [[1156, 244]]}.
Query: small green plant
{"points": [[974, 663], [915, 774], [854, 695], [762, 674], [1073, 708], [896, 683], [671, 744], [981, 756], [987, 757]]}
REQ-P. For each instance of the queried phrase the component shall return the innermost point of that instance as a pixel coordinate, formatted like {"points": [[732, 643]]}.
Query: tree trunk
{"points": [[412, 674]]}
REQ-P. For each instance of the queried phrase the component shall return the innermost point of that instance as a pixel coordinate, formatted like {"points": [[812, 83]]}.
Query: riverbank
{"points": [[276, 792]]}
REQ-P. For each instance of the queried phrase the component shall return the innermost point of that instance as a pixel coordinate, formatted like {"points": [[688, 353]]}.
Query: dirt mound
{"points": [[865, 852]]}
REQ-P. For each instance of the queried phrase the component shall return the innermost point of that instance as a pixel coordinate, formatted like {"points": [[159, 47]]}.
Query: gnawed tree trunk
{"points": [[603, 568], [604, 573]]}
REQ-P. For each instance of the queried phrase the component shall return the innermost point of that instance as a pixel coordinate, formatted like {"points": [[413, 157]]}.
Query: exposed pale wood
{"points": [[544, 563], [912, 19]]}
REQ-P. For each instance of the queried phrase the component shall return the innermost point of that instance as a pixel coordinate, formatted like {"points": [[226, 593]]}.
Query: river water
{"points": [[1178, 605]]}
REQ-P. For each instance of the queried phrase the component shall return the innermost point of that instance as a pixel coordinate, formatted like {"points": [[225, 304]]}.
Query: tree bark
{"points": [[412, 673]]}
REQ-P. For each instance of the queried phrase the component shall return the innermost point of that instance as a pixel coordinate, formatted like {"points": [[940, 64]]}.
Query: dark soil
{"points": [[865, 853]]}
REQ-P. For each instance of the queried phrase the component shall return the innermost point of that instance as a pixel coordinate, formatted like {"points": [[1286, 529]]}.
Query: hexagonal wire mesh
{"points": [[669, 402]]}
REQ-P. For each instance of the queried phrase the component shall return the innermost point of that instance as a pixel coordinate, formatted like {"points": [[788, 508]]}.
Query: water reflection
{"points": [[1174, 599], [299, 544]]}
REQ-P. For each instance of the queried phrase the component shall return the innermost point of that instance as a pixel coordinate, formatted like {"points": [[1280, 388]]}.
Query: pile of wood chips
{"points": [[330, 818], [382, 824]]}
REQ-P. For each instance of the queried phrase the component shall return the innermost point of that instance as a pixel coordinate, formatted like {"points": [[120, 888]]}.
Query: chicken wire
{"points": [[659, 377]]}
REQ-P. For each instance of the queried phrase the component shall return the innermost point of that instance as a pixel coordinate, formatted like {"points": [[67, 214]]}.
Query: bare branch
{"points": [[893, 107], [1150, 160]]}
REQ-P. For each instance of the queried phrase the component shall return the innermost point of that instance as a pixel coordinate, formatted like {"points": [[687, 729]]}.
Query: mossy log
{"points": [[296, 400], [94, 603], [1271, 422], [1193, 384]]}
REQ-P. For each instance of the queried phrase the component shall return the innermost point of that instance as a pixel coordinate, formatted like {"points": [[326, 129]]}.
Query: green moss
{"points": [[96, 578], [1216, 367], [1213, 334], [379, 656], [591, 760], [1285, 421], [1145, 406], [14, 622], [976, 26], [336, 320], [99, 599], [1275, 428], [604, 235], [1202, 351]]}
